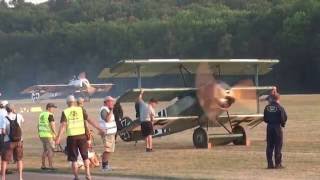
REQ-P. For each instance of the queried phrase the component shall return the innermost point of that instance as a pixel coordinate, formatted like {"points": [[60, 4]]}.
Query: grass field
{"points": [[175, 157]]}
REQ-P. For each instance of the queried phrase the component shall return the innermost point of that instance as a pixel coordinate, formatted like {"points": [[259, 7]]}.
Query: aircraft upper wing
{"points": [[161, 94], [46, 88], [153, 67], [102, 87]]}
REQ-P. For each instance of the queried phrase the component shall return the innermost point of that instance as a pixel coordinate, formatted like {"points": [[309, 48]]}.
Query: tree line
{"points": [[50, 42]]}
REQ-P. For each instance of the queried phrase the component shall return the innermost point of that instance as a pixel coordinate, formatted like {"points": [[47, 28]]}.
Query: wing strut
{"points": [[139, 75], [257, 84], [181, 67]]}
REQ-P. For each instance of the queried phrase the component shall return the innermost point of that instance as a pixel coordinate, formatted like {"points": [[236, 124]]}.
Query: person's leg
{"points": [[20, 168], [43, 159], [3, 169], [87, 169], [278, 148], [17, 156], [50, 158], [75, 169], [270, 148], [150, 142]]}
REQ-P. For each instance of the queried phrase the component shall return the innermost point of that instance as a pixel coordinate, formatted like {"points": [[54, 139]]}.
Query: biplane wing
{"points": [[153, 67], [102, 87], [47, 88], [167, 94]]}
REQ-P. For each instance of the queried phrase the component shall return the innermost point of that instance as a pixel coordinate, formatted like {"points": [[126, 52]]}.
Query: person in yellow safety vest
{"points": [[47, 134], [73, 121]]}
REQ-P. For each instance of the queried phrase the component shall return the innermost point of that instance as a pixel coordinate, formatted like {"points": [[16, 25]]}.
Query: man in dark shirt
{"points": [[275, 116], [73, 121]]}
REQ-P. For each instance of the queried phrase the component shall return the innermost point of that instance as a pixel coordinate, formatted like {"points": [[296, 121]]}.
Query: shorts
{"points": [[48, 144], [14, 149], [109, 141], [76, 144], [146, 128], [1, 143]]}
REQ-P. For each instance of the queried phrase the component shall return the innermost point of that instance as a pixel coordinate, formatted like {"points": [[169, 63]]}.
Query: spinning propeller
{"points": [[215, 97]]}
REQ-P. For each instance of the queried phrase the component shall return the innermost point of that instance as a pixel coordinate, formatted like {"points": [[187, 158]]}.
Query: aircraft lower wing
{"points": [[161, 94], [250, 120], [102, 87], [46, 88]]}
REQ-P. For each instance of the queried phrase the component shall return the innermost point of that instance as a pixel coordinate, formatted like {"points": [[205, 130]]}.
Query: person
{"points": [[107, 122], [276, 117], [73, 121], [47, 134], [13, 141], [147, 115], [3, 114]]}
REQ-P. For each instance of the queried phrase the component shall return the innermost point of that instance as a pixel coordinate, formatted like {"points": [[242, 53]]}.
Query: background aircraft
{"points": [[78, 86], [210, 103]]}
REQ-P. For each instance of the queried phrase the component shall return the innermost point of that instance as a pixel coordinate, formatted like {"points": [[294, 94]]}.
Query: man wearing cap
{"points": [[47, 133], [3, 114], [13, 141], [108, 123], [147, 115], [276, 117], [73, 121]]}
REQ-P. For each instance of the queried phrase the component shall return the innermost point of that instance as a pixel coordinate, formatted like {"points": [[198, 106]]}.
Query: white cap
{"points": [[71, 98], [4, 103], [109, 98]]}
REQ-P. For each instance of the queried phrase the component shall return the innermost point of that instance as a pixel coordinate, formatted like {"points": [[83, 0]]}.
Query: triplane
{"points": [[186, 110]]}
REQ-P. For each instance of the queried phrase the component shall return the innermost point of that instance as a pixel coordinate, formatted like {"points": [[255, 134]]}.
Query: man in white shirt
{"points": [[147, 115], [108, 123], [3, 114], [13, 141]]}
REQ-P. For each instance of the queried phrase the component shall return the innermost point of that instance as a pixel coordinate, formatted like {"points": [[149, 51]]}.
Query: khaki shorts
{"points": [[48, 144], [109, 142]]}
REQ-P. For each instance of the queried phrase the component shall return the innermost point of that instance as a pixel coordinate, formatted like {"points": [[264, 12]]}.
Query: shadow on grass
{"points": [[65, 171]]}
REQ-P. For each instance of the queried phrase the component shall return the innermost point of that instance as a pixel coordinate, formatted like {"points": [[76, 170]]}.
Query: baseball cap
{"points": [[71, 98], [109, 98], [51, 105]]}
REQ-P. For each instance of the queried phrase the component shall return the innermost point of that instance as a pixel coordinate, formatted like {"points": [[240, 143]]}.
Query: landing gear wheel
{"points": [[240, 130], [200, 138]]}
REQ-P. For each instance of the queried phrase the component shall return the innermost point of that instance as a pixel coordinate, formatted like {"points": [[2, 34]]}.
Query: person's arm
{"points": [[52, 125], [140, 98], [92, 122], [63, 126], [265, 115], [96, 125], [284, 117]]}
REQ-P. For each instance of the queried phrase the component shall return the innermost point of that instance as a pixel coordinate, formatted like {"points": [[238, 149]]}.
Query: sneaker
{"points": [[279, 166], [270, 167], [51, 169], [44, 168], [107, 168]]}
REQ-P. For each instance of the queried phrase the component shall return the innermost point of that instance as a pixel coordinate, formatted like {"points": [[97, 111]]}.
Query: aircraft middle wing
{"points": [[46, 88], [102, 87], [161, 94], [167, 94]]}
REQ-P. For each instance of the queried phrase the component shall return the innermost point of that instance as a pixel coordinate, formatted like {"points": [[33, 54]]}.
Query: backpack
{"points": [[15, 130]]}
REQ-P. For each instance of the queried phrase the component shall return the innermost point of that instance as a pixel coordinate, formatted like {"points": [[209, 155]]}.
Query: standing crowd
{"points": [[74, 121]]}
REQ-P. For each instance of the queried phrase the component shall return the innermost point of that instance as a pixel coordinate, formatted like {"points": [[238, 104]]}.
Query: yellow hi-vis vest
{"points": [[75, 121], [44, 128]]}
